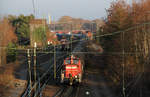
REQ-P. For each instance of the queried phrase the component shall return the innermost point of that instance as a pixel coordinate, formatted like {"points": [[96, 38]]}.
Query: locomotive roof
{"points": [[73, 57]]}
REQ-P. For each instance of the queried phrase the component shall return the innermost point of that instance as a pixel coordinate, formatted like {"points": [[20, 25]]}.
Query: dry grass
{"points": [[6, 78], [9, 85]]}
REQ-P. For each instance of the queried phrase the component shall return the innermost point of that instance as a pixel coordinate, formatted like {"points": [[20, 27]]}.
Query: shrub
{"points": [[11, 52]]}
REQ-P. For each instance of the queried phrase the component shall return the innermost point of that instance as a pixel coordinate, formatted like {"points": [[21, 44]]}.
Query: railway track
{"points": [[70, 91], [43, 80], [59, 92], [40, 84], [67, 91]]}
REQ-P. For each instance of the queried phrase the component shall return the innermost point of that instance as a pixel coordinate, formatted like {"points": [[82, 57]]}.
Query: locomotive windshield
{"points": [[67, 62], [75, 61]]}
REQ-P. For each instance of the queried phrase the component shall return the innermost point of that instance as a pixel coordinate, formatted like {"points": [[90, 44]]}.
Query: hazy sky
{"points": [[87, 9]]}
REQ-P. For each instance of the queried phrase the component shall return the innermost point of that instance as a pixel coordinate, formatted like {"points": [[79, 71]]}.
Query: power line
{"points": [[104, 35], [33, 4]]}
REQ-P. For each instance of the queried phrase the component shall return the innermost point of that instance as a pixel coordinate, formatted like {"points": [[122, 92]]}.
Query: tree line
{"points": [[127, 52], [14, 33]]}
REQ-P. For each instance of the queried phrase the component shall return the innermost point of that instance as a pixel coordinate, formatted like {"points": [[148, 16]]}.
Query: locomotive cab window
{"points": [[75, 61], [67, 62]]}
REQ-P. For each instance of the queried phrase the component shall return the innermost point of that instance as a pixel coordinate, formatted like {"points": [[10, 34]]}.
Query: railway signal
{"points": [[87, 92], [29, 67], [35, 46], [54, 61]]}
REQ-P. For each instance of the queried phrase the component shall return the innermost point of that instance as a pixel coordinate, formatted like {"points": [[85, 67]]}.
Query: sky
{"points": [[86, 9]]}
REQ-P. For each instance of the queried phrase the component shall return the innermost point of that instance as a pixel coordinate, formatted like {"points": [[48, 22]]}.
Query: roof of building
{"points": [[38, 21]]}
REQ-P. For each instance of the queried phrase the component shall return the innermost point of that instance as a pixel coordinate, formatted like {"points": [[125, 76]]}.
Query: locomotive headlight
{"points": [[76, 76]]}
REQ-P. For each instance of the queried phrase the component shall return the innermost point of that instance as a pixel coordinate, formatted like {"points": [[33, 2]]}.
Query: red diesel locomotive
{"points": [[72, 70]]}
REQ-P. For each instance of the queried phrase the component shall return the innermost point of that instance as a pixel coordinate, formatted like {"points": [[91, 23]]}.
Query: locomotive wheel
{"points": [[62, 77], [71, 81], [80, 78]]}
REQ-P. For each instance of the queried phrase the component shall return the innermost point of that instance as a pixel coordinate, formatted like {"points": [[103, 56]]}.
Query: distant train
{"points": [[70, 36], [66, 40], [65, 45], [72, 70]]}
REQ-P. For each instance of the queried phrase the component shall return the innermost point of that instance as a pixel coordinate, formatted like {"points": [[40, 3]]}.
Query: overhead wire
{"points": [[107, 34], [104, 35], [110, 34]]}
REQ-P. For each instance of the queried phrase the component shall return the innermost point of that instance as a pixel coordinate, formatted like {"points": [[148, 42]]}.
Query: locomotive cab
{"points": [[64, 44], [72, 70]]}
